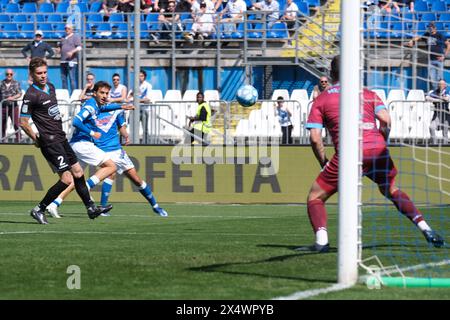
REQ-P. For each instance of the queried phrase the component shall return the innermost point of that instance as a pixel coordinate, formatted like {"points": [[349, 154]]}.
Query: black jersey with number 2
{"points": [[42, 107]]}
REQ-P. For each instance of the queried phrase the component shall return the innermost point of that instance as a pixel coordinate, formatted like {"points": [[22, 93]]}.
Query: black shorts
{"points": [[60, 156]]}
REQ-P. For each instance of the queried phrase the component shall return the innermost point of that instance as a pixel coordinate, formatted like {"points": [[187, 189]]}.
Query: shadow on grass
{"points": [[219, 266], [18, 222]]}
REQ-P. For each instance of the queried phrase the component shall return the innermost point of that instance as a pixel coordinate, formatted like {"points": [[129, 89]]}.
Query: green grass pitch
{"points": [[199, 252]]}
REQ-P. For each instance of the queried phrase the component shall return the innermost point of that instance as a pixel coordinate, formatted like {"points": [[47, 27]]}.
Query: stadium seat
{"points": [[212, 95], [75, 96], [9, 31], [59, 31], [62, 7], [62, 95], [416, 95], [120, 31], [299, 95], [438, 6], [101, 31], [26, 31], [95, 6], [19, 18], [255, 31], [12, 8], [428, 17], [420, 6], [242, 129], [280, 92], [278, 31], [4, 18], [29, 7], [46, 8]]}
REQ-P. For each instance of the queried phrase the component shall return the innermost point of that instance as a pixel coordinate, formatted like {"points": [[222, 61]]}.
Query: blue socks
{"points": [[145, 190], [106, 191]]}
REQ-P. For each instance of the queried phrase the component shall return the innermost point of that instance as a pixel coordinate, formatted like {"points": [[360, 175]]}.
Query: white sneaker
{"points": [[53, 210]]}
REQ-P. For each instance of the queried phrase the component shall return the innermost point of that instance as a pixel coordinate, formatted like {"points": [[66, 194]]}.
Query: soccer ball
{"points": [[247, 95]]}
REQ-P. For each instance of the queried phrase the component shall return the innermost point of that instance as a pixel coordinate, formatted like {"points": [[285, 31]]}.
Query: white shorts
{"points": [[88, 153], [121, 159]]}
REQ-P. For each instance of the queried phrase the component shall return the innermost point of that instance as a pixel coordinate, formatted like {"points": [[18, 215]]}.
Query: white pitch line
{"points": [[144, 233], [314, 292]]}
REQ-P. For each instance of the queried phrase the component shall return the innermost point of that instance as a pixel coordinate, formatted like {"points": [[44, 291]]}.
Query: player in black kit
{"points": [[39, 103]]}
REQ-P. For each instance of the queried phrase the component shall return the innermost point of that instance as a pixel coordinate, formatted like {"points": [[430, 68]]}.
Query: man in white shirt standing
{"points": [[145, 89]]}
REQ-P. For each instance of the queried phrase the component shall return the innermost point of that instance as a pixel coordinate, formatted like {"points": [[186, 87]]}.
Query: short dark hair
{"points": [[116, 75], [36, 63], [143, 72], [101, 84], [280, 98], [335, 68], [90, 74]]}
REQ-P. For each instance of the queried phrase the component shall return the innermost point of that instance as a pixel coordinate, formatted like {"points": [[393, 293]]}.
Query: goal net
{"points": [[399, 51]]}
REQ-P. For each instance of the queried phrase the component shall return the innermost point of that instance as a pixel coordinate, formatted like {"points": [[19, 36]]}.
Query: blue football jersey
{"points": [[108, 124], [85, 120]]}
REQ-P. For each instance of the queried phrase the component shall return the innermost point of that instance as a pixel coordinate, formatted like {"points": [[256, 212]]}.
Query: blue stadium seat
{"points": [[59, 31], [121, 31], [420, 6], [37, 18], [19, 18], [445, 17], [9, 31], [302, 7], [278, 31], [152, 21], [47, 29], [95, 6], [62, 7], [438, 6], [428, 17], [26, 31], [116, 18], [93, 20], [29, 7], [102, 31], [83, 7], [46, 8], [12, 8], [4, 18], [144, 31], [255, 31], [55, 18]]}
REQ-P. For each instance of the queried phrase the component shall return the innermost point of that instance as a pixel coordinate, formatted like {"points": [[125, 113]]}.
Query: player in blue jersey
{"points": [[82, 141], [108, 125]]}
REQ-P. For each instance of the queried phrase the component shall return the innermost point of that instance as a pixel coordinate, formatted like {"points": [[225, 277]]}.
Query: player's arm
{"points": [[116, 106], [317, 146], [24, 120], [79, 122], [385, 122], [124, 133]]}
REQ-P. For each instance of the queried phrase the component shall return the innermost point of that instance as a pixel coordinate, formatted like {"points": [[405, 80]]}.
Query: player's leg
{"points": [[379, 167], [146, 191], [52, 208], [106, 189], [324, 187], [107, 168]]}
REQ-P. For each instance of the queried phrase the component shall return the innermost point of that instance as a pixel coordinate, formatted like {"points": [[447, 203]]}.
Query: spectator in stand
{"points": [[437, 49], [203, 24], [69, 46], [125, 6], [284, 113], [160, 5], [38, 48], [232, 14], [210, 6], [321, 87], [403, 6], [441, 116], [270, 11], [146, 6], [9, 93], [109, 7], [88, 90], [376, 10], [290, 15], [74, 13], [145, 89], [167, 19], [118, 92]]}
